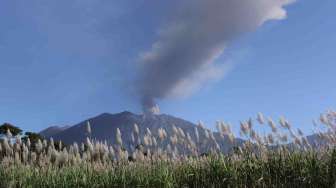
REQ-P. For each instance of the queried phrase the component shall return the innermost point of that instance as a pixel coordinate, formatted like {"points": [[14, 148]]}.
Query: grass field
{"points": [[276, 170], [267, 161]]}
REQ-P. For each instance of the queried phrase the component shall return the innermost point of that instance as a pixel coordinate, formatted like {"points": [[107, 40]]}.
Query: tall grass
{"points": [[262, 161]]}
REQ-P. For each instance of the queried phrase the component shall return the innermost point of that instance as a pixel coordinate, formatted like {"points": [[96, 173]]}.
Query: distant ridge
{"points": [[50, 131]]}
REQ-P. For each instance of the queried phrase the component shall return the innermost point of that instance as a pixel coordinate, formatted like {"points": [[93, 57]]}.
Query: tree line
{"points": [[10, 130]]}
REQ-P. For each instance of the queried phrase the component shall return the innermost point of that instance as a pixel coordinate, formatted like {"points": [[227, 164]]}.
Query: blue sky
{"points": [[64, 61]]}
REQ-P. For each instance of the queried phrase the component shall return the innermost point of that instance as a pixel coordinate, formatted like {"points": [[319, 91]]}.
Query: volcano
{"points": [[104, 128]]}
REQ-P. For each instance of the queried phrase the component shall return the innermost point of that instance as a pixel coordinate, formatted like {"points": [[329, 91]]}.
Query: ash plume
{"points": [[187, 46]]}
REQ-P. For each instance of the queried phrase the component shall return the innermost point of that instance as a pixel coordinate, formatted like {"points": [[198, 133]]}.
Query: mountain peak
{"points": [[126, 113], [107, 115]]}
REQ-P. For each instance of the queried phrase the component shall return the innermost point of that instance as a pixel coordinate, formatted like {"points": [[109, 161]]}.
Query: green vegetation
{"points": [[4, 128], [277, 170]]}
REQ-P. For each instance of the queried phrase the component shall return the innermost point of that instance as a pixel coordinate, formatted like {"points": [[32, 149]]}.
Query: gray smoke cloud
{"points": [[187, 46]]}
